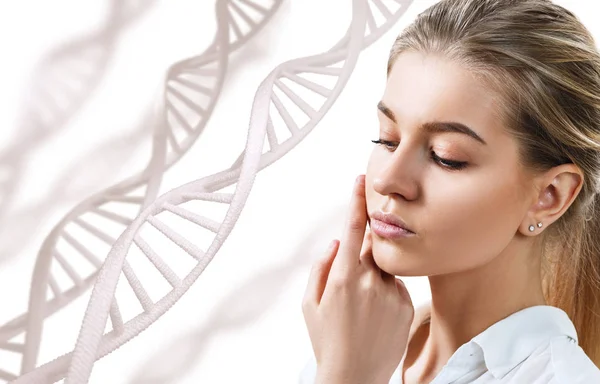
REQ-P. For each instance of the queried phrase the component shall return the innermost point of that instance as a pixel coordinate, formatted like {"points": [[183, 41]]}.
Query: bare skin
{"points": [[471, 232], [357, 316], [472, 238]]}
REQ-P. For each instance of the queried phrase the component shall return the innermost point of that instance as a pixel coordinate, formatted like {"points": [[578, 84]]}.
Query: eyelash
{"points": [[448, 164]]}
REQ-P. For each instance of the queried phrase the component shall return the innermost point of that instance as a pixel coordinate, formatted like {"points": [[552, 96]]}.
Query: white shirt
{"points": [[536, 345]]}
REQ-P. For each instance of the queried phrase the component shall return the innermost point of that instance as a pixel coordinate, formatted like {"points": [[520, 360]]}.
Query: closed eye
{"points": [[444, 163], [386, 143]]}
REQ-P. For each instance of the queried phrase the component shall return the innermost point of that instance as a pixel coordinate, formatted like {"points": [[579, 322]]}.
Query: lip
{"points": [[389, 231], [391, 220]]}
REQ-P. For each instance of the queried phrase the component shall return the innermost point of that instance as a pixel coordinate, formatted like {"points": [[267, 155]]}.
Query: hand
{"points": [[358, 316]]}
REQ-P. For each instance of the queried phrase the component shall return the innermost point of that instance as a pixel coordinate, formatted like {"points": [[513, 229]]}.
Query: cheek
{"points": [[462, 225], [473, 226], [461, 228]]}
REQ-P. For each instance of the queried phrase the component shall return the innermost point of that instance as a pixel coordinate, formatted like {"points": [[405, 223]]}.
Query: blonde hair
{"points": [[545, 66]]}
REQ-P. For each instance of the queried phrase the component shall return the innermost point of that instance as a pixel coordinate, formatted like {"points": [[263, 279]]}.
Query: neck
{"points": [[466, 303]]}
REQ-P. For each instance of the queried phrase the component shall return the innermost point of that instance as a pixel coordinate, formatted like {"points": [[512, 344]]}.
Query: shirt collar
{"points": [[511, 340]]}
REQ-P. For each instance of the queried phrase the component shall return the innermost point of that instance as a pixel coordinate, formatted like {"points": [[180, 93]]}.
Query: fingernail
{"points": [[358, 180], [332, 244]]}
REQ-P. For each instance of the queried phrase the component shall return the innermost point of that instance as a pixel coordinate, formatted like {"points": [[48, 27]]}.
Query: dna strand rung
{"points": [[85, 252], [188, 102], [6, 375], [181, 241], [172, 278], [11, 350], [190, 249], [240, 16], [61, 86], [116, 319], [297, 114], [137, 287], [69, 270], [191, 83], [383, 10], [70, 257], [299, 104]]}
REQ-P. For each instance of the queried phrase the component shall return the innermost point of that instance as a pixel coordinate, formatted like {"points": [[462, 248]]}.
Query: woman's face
{"points": [[463, 218]]}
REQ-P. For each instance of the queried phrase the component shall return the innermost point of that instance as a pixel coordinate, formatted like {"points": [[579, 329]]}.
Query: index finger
{"points": [[354, 233]]}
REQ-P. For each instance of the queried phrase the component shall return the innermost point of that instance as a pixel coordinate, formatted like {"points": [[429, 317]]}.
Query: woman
{"points": [[489, 156]]}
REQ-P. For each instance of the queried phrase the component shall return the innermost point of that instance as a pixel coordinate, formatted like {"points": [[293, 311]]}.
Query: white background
{"points": [[242, 320]]}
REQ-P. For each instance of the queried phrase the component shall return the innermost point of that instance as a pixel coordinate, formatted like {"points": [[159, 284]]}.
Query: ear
{"points": [[555, 191]]}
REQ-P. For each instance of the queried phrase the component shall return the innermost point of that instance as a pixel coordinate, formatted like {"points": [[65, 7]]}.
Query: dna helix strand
{"points": [[61, 85], [96, 339], [191, 89]]}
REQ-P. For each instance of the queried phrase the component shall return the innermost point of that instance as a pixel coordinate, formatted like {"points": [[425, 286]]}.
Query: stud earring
{"points": [[532, 228]]}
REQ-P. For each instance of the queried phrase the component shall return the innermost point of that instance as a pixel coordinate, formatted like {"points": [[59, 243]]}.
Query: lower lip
{"points": [[388, 230]]}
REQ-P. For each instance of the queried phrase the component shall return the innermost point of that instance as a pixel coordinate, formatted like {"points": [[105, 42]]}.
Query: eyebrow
{"points": [[436, 126]]}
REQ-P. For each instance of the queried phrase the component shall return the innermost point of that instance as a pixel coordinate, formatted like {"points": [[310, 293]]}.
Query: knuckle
{"points": [[339, 281], [368, 283], [306, 309], [355, 224], [306, 302], [316, 266]]}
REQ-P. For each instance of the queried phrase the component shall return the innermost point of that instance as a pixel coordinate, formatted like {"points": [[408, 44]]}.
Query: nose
{"points": [[397, 174]]}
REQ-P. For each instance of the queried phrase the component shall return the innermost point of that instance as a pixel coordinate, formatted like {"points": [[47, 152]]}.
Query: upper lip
{"points": [[390, 219]]}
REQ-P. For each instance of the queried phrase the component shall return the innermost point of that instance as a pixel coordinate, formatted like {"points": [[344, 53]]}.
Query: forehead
{"points": [[423, 87]]}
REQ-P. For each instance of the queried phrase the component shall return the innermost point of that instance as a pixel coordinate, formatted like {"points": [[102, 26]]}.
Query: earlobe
{"points": [[532, 228]]}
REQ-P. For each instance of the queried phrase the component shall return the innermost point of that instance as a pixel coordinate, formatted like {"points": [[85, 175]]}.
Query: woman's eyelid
{"points": [[388, 136], [388, 143], [452, 165], [449, 158], [443, 151]]}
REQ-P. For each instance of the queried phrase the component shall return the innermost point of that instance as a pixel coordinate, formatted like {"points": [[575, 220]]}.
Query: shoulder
{"points": [[559, 361], [570, 363]]}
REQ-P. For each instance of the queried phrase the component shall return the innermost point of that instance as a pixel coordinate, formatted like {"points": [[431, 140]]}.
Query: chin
{"points": [[397, 264]]}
